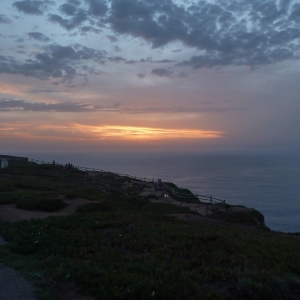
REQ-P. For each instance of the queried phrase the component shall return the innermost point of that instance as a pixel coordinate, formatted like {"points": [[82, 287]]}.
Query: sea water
{"points": [[270, 184]]}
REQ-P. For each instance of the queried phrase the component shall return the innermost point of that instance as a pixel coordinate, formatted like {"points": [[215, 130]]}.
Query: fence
{"points": [[42, 162], [203, 199]]}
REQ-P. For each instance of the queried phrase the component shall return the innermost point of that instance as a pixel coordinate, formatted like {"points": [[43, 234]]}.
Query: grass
{"points": [[102, 206], [187, 197], [131, 255], [253, 217], [41, 204], [126, 247]]}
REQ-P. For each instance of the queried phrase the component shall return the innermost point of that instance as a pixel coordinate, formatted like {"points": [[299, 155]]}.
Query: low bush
{"points": [[42, 204]]}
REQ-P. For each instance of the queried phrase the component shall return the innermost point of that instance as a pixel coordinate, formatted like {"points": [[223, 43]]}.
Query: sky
{"points": [[149, 75]]}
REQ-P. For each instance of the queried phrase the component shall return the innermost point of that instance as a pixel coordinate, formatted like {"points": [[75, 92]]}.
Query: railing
{"points": [[201, 198], [43, 162]]}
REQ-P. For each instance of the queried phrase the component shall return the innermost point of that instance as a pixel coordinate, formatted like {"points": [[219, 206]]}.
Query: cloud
{"points": [[142, 133], [117, 59], [31, 7], [38, 36], [86, 29], [112, 38], [76, 19], [117, 48], [131, 62], [22, 105], [238, 32], [68, 9], [161, 72], [141, 76], [97, 7], [5, 20], [74, 2], [165, 61], [37, 91], [204, 108], [57, 62]]}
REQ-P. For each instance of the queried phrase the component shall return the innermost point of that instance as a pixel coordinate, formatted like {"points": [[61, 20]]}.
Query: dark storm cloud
{"points": [[56, 62], [31, 7], [4, 19], [38, 36], [22, 105], [161, 72]]}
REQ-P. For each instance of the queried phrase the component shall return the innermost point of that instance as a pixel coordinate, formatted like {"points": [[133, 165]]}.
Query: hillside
{"points": [[114, 243]]}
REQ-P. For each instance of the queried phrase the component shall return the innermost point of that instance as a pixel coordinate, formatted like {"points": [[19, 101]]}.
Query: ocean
{"points": [[268, 183]]}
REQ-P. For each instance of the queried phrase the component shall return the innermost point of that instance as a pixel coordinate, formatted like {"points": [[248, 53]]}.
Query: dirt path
{"points": [[10, 213]]}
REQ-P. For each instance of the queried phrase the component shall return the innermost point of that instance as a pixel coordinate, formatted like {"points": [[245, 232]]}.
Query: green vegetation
{"points": [[125, 247], [186, 194], [42, 204], [95, 207], [252, 217]]}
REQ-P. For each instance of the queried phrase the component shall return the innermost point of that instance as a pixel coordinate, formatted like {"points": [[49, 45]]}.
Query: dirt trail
{"points": [[10, 213]]}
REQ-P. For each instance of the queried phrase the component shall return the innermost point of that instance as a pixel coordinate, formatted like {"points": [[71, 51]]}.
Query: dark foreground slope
{"points": [[124, 247]]}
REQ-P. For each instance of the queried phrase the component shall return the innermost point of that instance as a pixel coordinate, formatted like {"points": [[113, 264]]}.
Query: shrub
{"points": [[45, 204]]}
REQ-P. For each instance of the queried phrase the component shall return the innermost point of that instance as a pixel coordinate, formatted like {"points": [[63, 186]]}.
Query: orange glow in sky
{"points": [[145, 133], [106, 132]]}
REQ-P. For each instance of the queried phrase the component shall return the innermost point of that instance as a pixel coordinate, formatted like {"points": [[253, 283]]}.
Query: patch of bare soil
{"points": [[10, 213]]}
